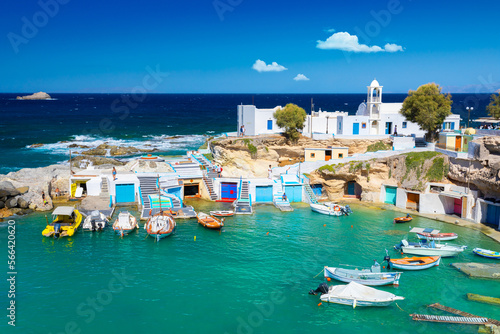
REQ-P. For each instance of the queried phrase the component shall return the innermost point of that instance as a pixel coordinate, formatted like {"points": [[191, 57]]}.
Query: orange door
{"points": [[458, 143]]}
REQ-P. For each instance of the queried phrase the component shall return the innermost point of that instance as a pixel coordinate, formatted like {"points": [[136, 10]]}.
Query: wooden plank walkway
{"points": [[461, 313], [450, 320]]}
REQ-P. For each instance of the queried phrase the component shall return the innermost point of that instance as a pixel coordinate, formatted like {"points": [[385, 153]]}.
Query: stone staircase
{"points": [[148, 187], [280, 203], [310, 194], [209, 185], [104, 195], [242, 205]]}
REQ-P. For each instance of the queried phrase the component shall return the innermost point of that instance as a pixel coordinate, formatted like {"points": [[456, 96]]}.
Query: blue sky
{"points": [[229, 46]]}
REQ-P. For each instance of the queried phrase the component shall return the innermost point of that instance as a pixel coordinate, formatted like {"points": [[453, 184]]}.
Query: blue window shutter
{"points": [[452, 125]]}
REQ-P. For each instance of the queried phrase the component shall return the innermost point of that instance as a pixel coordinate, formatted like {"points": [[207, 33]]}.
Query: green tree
{"points": [[427, 107], [291, 118], [494, 106]]}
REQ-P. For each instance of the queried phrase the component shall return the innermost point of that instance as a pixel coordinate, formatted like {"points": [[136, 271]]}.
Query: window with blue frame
{"points": [[270, 124], [405, 124]]}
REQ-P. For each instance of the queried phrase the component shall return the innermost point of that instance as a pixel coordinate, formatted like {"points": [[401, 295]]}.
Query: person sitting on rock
{"points": [[43, 198]]}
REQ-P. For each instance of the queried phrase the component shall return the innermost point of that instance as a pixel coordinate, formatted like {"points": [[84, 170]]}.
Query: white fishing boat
{"points": [[432, 234], [331, 209], [429, 249], [372, 276], [125, 223], [356, 294], [96, 221]]}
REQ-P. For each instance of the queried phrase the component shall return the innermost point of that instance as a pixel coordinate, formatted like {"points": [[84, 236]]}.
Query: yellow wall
{"points": [[319, 155], [450, 142]]}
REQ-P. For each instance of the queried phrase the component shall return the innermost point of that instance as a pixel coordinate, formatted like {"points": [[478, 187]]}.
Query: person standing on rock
{"points": [[270, 172], [114, 174], [43, 198]]}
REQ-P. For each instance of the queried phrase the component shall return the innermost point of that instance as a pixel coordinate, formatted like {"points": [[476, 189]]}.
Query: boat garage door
{"points": [[390, 195], [263, 193], [229, 191], [294, 193], [125, 193], [351, 188], [493, 215], [458, 207]]}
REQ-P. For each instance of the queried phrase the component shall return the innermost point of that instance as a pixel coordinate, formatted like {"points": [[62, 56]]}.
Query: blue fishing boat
{"points": [[372, 276], [486, 253]]}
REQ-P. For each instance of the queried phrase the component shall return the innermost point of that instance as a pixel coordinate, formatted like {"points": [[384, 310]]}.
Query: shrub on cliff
{"points": [[427, 107], [291, 118], [494, 106]]}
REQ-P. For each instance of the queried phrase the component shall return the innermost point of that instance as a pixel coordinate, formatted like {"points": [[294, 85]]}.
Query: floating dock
{"points": [[480, 270]]}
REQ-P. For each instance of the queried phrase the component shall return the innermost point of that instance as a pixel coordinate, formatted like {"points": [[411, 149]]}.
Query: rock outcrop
{"points": [[409, 171], [251, 156], [36, 96], [113, 150], [484, 171]]}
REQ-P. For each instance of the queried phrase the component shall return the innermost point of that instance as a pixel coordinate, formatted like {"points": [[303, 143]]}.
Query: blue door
{"points": [[351, 188], [388, 128], [493, 215], [390, 195], [269, 124], [263, 193], [125, 193], [294, 193], [355, 128], [229, 191]]}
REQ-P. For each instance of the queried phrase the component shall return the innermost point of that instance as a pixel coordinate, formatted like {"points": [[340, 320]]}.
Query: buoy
{"points": [[328, 279], [324, 224], [319, 304], [383, 267], [402, 253], [195, 238], [267, 233], [352, 226]]}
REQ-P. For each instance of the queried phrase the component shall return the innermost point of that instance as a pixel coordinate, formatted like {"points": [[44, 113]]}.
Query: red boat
{"points": [[437, 236]]}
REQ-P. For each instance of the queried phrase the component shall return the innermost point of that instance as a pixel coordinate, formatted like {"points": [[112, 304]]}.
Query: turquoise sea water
{"points": [[253, 277]]}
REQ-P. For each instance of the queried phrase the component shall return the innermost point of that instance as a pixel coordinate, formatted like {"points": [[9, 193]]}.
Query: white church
{"points": [[373, 119]]}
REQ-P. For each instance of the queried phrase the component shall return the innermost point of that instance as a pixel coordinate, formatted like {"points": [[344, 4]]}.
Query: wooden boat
{"points": [[125, 223], [429, 249], [331, 209], [372, 276], [414, 263], [356, 294], [160, 225], [209, 221], [65, 222], [96, 221], [437, 236], [405, 219], [486, 253], [222, 213]]}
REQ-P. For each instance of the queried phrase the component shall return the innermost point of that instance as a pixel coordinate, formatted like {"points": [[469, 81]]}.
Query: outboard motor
{"points": [[100, 226], [398, 246], [388, 259], [375, 267], [92, 223], [57, 230], [322, 289], [348, 209]]}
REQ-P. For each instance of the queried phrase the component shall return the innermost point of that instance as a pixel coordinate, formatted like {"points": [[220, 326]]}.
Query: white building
{"points": [[373, 118]]}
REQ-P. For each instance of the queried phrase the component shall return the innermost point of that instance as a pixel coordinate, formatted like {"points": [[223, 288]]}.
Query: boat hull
{"points": [[362, 277], [415, 266], [431, 251], [222, 213], [124, 231], [437, 237], [348, 301], [400, 220], [486, 253], [324, 210]]}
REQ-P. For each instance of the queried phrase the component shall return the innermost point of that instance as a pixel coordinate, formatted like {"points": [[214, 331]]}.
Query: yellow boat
{"points": [[66, 220]]}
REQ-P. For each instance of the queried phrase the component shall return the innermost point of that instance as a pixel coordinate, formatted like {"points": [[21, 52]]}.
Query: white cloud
{"points": [[261, 66], [347, 42], [301, 77], [393, 48], [331, 30]]}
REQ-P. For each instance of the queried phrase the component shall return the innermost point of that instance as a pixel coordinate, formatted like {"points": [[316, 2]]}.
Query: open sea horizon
{"points": [[170, 123]]}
